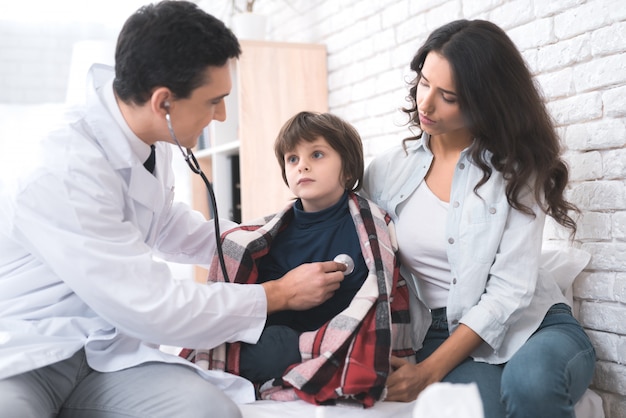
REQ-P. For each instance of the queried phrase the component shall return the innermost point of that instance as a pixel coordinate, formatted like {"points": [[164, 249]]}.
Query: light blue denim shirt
{"points": [[493, 250]]}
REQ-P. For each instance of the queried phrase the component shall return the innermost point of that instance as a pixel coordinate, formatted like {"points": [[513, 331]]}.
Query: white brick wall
{"points": [[576, 48]]}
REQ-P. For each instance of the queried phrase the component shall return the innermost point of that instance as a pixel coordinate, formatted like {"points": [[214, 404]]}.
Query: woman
{"points": [[469, 195]]}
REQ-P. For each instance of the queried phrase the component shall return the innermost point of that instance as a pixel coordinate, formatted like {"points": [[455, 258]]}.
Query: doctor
{"points": [[84, 304]]}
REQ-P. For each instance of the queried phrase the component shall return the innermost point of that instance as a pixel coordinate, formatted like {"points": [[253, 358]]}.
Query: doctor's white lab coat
{"points": [[79, 228]]}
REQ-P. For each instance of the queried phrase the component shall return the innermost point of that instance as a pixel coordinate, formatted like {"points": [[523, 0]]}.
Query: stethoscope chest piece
{"points": [[347, 261]]}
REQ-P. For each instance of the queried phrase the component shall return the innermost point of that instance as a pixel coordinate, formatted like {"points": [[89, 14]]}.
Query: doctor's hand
{"points": [[304, 287]]}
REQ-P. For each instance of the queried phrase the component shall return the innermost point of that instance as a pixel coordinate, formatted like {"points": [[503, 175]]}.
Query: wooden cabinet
{"points": [[276, 80], [272, 81]]}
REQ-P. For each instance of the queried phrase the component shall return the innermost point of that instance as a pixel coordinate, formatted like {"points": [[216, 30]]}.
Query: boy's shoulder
{"points": [[376, 210]]}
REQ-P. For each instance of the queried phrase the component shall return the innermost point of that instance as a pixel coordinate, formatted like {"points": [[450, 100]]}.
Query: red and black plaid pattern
{"points": [[348, 358]]}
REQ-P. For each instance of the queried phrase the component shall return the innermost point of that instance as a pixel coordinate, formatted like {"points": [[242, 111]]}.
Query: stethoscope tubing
{"points": [[193, 164]]}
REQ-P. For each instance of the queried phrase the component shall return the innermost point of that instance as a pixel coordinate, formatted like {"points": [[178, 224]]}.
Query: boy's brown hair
{"points": [[340, 135]]}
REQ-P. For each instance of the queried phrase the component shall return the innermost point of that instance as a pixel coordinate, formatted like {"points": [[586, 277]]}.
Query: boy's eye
{"points": [[291, 159], [318, 154]]}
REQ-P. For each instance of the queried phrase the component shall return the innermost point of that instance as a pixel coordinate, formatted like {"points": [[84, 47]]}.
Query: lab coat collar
{"points": [[113, 135], [117, 139]]}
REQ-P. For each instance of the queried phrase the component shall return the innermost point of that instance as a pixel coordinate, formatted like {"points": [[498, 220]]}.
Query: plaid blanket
{"points": [[347, 359]]}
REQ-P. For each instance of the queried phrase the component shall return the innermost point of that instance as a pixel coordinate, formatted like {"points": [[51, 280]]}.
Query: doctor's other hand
{"points": [[304, 287]]}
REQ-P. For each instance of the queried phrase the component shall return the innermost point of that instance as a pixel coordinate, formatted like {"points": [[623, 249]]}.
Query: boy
{"points": [[321, 158]]}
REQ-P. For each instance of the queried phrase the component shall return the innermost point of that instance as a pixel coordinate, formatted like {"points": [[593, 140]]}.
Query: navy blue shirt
{"points": [[312, 237]]}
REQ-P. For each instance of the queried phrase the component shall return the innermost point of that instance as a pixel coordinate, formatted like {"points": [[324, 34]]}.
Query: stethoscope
{"points": [[195, 168]]}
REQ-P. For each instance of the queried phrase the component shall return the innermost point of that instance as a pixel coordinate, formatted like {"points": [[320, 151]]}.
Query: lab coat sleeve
{"points": [[187, 237], [74, 218]]}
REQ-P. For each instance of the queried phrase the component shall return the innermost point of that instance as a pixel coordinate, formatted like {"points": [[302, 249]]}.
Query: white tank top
{"points": [[421, 229]]}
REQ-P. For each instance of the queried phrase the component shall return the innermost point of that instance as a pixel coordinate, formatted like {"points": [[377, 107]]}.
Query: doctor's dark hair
{"points": [[504, 111], [169, 44], [340, 135]]}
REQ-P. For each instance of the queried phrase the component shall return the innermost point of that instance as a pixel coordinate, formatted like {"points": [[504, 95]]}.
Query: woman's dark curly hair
{"points": [[504, 111]]}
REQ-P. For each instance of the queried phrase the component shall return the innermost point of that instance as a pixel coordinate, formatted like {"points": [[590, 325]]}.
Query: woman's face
{"points": [[436, 98]]}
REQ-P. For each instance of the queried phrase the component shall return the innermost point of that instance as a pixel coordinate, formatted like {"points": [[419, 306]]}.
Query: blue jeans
{"points": [[545, 378], [71, 389]]}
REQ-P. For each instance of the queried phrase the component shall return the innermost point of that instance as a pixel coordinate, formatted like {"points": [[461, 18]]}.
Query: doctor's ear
{"points": [[161, 101]]}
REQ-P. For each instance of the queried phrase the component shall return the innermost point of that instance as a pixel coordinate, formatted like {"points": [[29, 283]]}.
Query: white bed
{"points": [[433, 402], [440, 400], [300, 409]]}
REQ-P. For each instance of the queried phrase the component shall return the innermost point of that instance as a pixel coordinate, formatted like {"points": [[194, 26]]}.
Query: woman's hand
{"points": [[408, 380]]}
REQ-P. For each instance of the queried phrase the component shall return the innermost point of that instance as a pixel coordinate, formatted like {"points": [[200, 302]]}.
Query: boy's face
{"points": [[314, 174], [206, 103]]}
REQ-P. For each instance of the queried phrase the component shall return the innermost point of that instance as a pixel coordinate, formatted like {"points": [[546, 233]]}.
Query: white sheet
{"points": [[301, 409], [457, 402], [440, 400]]}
